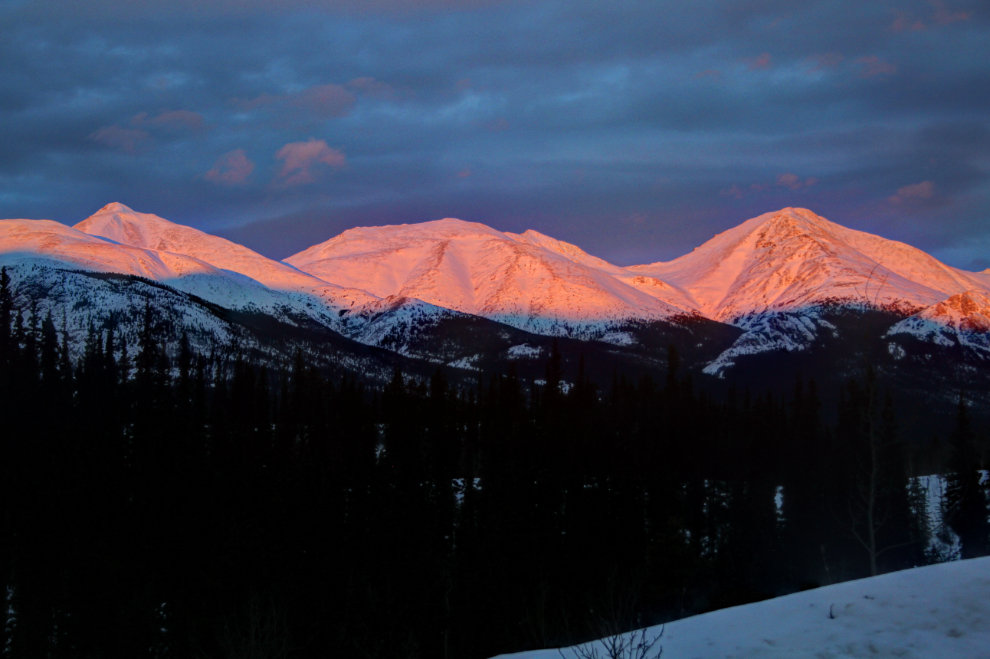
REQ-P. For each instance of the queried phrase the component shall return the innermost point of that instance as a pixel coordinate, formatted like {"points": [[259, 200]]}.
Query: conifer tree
{"points": [[965, 499]]}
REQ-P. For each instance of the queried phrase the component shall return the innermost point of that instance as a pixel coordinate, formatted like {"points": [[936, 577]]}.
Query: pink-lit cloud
{"points": [[232, 168], [299, 158], [915, 192], [941, 15], [873, 66], [761, 62], [792, 181], [171, 119], [128, 140]]}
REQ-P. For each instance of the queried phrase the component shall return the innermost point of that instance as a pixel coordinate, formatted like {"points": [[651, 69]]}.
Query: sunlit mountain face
{"points": [[787, 284]]}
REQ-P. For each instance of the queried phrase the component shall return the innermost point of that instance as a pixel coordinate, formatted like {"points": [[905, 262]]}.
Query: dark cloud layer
{"points": [[634, 129]]}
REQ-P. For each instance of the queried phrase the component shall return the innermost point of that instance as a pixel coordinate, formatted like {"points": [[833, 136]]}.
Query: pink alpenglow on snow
{"points": [[529, 281], [122, 225], [793, 259]]}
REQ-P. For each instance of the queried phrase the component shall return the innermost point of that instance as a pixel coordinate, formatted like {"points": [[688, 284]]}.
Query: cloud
{"points": [[826, 61], [761, 62], [299, 157], [942, 15], [874, 66], [735, 192], [128, 140], [369, 86], [945, 16], [793, 181], [232, 168], [904, 22], [171, 119], [916, 192], [325, 100]]}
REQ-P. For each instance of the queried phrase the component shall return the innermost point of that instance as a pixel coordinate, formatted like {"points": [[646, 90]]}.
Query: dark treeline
{"points": [[152, 508]]}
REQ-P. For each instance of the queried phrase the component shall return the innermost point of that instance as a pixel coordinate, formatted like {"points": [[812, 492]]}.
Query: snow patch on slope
{"points": [[962, 319]]}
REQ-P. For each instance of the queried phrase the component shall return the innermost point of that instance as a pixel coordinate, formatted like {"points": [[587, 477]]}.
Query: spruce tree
{"points": [[965, 498]]}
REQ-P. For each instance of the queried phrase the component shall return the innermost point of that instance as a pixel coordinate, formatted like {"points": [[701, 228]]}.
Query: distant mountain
{"points": [[120, 224], [528, 281], [782, 276], [783, 292], [793, 259]]}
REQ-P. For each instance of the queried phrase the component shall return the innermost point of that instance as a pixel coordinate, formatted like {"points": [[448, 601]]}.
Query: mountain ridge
{"points": [[775, 277]]}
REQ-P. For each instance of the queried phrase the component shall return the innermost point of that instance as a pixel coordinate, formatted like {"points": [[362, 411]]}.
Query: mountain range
{"points": [[785, 285]]}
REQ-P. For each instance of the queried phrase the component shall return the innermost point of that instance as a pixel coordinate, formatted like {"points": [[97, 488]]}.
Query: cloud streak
{"points": [[912, 193]]}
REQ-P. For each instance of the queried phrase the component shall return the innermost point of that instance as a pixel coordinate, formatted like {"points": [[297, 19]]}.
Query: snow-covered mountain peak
{"points": [[127, 227], [792, 259], [114, 207], [23, 241], [529, 280]]}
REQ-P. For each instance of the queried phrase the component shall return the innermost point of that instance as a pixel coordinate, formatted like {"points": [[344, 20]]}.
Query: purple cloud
{"points": [[299, 157], [916, 192], [232, 168]]}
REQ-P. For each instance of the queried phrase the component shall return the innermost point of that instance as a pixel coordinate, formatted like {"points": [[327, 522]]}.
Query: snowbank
{"points": [[940, 611]]}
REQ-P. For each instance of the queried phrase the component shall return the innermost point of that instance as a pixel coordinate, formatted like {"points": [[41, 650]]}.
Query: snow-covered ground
{"points": [[934, 612]]}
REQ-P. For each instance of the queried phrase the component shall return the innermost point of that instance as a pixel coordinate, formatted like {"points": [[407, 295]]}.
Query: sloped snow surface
{"points": [[962, 319], [528, 281], [934, 612]]}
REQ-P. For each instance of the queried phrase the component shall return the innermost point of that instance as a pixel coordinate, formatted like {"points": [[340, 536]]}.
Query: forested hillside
{"points": [[203, 506]]}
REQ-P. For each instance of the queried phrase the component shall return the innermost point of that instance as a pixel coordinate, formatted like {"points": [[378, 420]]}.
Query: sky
{"points": [[634, 129]]}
